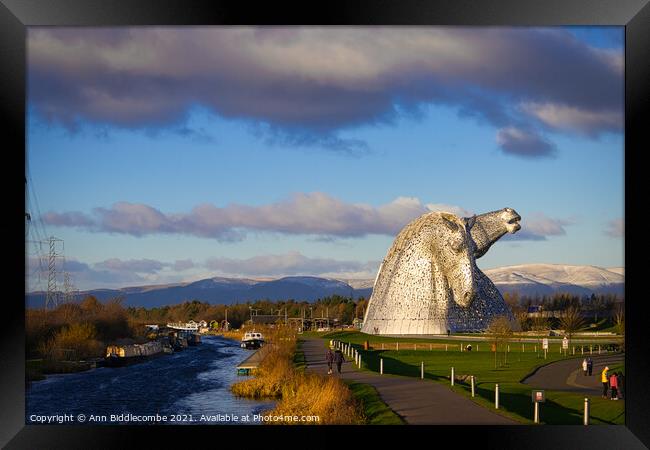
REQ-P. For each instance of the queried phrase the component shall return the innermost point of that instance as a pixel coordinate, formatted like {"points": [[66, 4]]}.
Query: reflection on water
{"points": [[195, 381]]}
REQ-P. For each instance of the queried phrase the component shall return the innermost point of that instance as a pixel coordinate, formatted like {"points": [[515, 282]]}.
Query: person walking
{"points": [[584, 366], [329, 357], [338, 359], [605, 380], [590, 365], [613, 384]]}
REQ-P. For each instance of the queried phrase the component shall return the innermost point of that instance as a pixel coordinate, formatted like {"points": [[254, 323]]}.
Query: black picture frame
{"points": [[16, 15]]}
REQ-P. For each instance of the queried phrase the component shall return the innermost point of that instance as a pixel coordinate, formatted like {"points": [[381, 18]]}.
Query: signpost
{"points": [[565, 345], [538, 397]]}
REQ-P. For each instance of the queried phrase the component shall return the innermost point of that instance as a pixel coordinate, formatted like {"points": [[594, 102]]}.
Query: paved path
{"points": [[568, 376], [418, 402]]}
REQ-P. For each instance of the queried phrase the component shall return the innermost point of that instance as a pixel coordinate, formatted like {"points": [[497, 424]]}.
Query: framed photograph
{"points": [[366, 216]]}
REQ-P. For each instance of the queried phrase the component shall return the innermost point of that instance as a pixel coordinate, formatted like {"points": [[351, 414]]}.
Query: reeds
{"points": [[299, 393]]}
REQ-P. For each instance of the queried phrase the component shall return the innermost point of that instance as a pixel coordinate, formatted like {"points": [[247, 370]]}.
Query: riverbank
{"points": [[299, 393]]}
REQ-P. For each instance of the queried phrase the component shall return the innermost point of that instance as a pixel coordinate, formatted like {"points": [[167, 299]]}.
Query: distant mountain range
{"points": [[527, 279]]}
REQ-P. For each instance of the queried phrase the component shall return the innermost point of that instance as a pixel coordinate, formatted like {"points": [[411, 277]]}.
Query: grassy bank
{"points": [[514, 396], [299, 393]]}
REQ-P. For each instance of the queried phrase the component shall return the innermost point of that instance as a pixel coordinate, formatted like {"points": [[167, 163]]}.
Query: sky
{"points": [[164, 154]]}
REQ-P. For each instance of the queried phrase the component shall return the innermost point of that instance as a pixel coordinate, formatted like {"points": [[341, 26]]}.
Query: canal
{"points": [[192, 382]]}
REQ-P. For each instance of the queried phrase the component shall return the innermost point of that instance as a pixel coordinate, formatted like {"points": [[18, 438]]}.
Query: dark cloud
{"points": [[524, 143], [308, 84]]}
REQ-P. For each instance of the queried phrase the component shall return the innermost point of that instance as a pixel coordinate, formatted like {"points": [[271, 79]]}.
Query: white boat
{"points": [[252, 339]]}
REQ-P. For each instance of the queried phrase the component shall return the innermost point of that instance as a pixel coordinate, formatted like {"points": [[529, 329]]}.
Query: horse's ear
{"points": [[469, 222], [453, 226]]}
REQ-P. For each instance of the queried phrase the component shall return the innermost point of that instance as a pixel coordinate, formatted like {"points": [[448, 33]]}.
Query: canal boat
{"points": [[121, 355], [252, 340]]}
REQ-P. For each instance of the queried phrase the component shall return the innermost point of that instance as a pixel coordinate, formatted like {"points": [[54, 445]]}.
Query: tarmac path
{"points": [[568, 375], [418, 402]]}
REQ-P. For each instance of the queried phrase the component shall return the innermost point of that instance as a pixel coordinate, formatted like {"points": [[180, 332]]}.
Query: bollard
{"points": [[536, 418], [582, 350], [445, 347], [381, 366], [359, 361], [508, 348], [496, 396], [452, 376], [599, 349], [477, 347], [422, 370], [415, 346], [397, 347], [535, 349], [522, 348], [472, 379], [462, 344], [586, 415]]}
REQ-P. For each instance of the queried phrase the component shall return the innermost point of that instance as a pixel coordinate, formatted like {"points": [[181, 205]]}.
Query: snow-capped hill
{"points": [[317, 282], [545, 279]]}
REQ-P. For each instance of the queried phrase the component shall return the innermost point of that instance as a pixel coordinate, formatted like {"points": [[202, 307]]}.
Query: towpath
{"points": [[418, 402]]}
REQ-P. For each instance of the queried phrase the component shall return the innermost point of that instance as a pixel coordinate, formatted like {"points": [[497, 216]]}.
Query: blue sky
{"points": [[166, 155]]}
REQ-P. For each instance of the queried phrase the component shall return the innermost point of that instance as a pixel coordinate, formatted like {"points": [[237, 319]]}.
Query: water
{"points": [[186, 385]]}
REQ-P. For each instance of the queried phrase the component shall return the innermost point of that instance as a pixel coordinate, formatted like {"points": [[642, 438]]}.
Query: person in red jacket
{"points": [[613, 384]]}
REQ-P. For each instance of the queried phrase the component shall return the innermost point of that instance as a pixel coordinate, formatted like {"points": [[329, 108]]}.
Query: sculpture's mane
{"points": [[415, 227]]}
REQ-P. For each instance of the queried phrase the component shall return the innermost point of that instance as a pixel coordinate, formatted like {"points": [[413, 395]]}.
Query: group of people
{"points": [[335, 357], [612, 383]]}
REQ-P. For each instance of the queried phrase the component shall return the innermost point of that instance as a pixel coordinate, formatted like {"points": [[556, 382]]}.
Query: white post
{"points": [[536, 419], [472, 379], [496, 396], [573, 350], [535, 349], [508, 348], [591, 349], [582, 350], [381, 366], [599, 349], [477, 347], [586, 415], [422, 370], [462, 344], [359, 360], [430, 346], [452, 376], [415, 346], [445, 347], [545, 351], [397, 346], [522, 348]]}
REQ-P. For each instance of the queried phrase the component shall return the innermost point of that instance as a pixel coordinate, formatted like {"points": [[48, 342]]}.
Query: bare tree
{"points": [[619, 320], [522, 319], [500, 330], [571, 321]]}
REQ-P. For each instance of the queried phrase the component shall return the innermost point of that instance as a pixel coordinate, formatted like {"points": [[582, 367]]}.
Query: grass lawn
{"points": [[375, 410], [514, 396]]}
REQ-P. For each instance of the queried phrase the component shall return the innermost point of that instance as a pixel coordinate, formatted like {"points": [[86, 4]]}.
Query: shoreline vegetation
{"points": [[299, 393]]}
